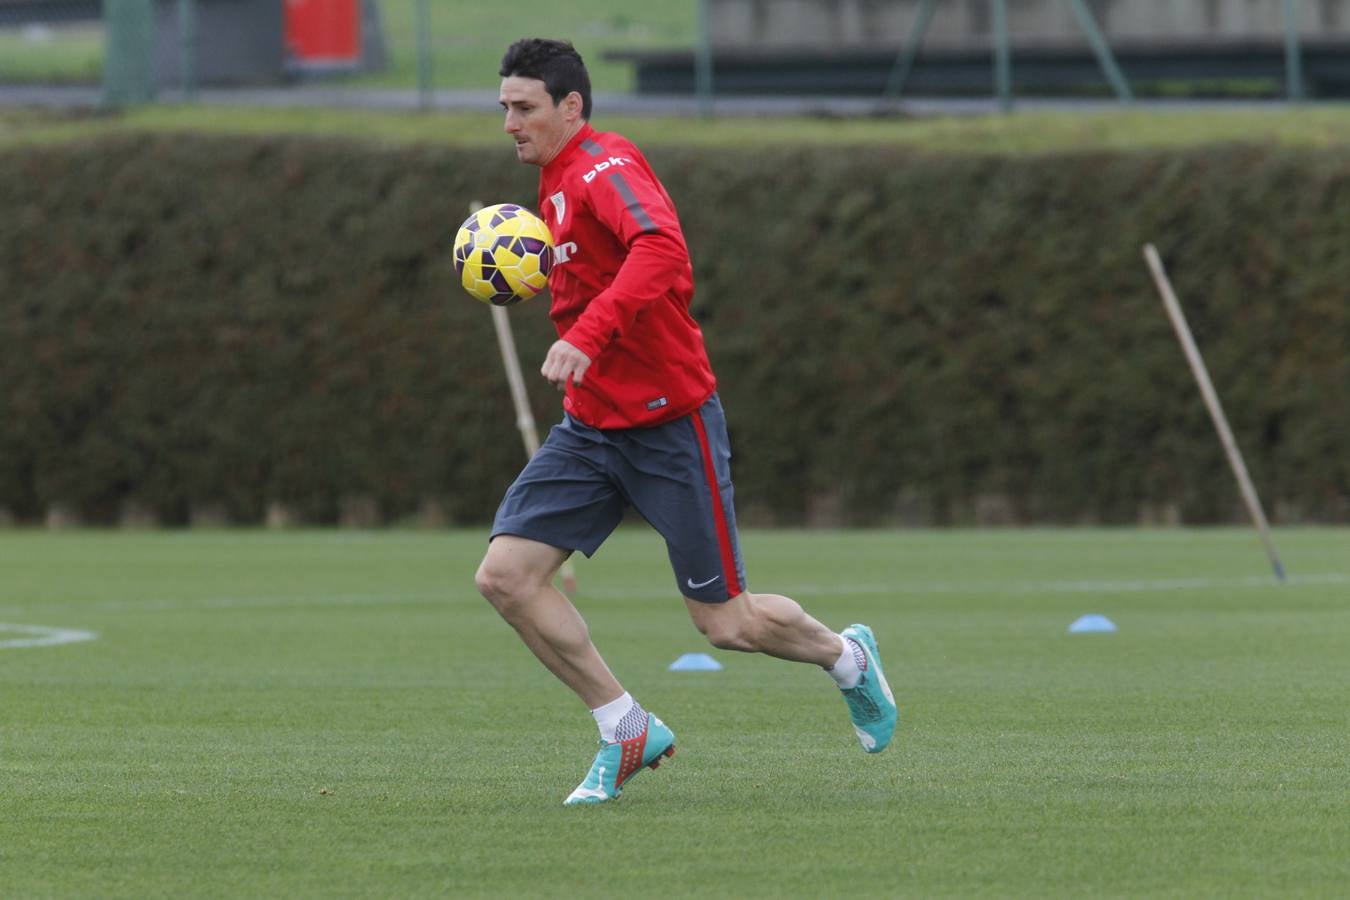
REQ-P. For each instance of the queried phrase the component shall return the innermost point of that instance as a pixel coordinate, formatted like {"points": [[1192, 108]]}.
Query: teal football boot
{"points": [[870, 703], [619, 761]]}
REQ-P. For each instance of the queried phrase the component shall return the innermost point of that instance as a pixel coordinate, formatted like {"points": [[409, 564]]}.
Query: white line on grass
{"points": [[43, 636], [261, 602], [655, 591], [275, 601], [1084, 586]]}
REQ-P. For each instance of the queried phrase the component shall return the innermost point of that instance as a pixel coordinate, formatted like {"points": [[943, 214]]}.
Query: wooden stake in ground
{"points": [[529, 432], [1211, 397]]}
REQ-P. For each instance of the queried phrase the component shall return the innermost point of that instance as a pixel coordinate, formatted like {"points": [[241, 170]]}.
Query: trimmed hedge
{"points": [[194, 324]]}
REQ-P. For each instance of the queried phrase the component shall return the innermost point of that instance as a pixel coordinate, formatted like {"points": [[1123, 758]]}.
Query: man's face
{"points": [[540, 128]]}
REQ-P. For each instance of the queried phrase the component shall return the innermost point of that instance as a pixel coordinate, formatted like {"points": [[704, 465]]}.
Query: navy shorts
{"points": [[572, 495]]}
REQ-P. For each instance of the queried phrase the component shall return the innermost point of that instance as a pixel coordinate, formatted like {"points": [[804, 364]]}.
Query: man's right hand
{"points": [[564, 362]]}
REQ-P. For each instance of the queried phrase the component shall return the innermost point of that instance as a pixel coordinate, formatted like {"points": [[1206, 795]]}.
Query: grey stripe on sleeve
{"points": [[592, 147], [635, 207]]}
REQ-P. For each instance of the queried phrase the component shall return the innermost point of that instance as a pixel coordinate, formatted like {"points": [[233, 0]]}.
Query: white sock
{"points": [[609, 715], [847, 671]]}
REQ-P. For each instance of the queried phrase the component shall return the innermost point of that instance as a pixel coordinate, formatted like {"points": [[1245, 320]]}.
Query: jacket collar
{"points": [[569, 152]]}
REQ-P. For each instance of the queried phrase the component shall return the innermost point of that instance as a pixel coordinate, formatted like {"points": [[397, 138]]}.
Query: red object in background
{"points": [[324, 31]]}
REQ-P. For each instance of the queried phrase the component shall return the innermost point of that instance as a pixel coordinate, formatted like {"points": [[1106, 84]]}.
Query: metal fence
{"points": [[135, 51], [412, 45]]}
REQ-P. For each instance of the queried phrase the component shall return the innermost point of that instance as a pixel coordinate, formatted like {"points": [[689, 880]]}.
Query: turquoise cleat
{"points": [[870, 704], [619, 761]]}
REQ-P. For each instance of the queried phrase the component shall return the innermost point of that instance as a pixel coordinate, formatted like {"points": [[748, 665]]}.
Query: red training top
{"points": [[621, 284]]}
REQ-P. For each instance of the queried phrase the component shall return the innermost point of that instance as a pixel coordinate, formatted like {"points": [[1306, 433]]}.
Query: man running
{"points": [[642, 425]]}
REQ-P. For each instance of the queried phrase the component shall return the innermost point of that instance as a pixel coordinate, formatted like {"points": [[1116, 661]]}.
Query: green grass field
{"points": [[325, 714], [467, 39], [57, 53]]}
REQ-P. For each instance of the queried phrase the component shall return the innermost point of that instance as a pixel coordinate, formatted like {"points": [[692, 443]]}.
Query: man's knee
{"points": [[504, 586], [726, 625], [514, 571]]}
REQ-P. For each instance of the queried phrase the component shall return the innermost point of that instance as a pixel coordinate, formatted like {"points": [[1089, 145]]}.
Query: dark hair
{"points": [[556, 63]]}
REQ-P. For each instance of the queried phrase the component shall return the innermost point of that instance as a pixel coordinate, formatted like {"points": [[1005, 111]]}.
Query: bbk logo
{"points": [[563, 252], [602, 166]]}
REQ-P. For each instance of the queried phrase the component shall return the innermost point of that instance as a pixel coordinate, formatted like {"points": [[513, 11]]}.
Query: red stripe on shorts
{"points": [[719, 511]]}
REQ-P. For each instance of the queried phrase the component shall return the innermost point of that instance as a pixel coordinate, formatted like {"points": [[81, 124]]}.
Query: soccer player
{"points": [[642, 425]]}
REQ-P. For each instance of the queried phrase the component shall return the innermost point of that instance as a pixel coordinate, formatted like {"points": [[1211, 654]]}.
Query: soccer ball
{"points": [[503, 254]]}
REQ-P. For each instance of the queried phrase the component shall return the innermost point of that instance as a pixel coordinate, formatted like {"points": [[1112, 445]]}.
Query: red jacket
{"points": [[621, 284]]}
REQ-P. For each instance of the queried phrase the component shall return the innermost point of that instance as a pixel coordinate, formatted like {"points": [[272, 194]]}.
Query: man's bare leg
{"points": [[778, 626], [516, 577], [766, 623]]}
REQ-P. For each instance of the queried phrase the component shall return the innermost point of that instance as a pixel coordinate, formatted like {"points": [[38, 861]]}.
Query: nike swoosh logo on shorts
{"points": [[701, 584]]}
